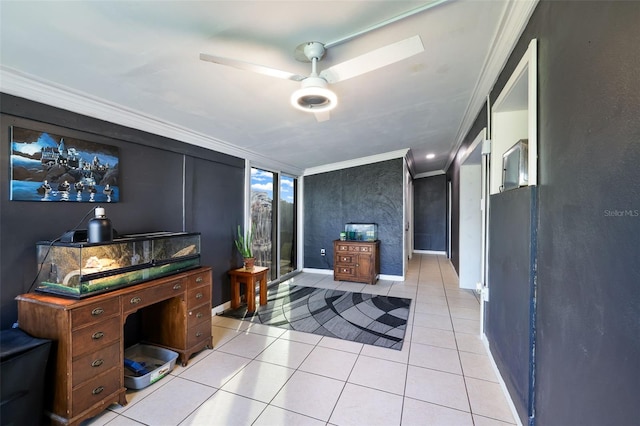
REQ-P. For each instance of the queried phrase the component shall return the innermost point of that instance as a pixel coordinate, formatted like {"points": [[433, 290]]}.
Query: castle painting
{"points": [[48, 167]]}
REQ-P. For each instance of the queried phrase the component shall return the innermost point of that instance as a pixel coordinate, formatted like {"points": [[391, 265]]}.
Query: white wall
{"points": [[470, 226]]}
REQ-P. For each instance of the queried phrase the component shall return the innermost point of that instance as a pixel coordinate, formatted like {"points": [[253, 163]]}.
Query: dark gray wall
{"points": [[509, 313], [430, 213], [151, 181], [588, 298], [371, 193], [588, 259]]}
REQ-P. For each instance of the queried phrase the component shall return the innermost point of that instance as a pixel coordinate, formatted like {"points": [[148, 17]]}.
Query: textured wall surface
{"points": [[589, 233], [372, 193], [508, 313], [430, 213], [588, 297], [151, 179]]}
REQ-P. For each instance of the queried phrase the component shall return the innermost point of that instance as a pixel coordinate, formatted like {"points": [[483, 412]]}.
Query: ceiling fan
{"points": [[314, 95]]}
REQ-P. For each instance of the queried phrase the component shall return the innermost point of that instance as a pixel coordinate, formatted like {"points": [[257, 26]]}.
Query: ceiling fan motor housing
{"points": [[313, 96]]}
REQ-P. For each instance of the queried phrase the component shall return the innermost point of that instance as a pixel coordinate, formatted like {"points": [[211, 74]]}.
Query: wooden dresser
{"points": [[357, 261], [86, 368]]}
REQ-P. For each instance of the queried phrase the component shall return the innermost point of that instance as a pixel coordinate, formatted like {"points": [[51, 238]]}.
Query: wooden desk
{"points": [[249, 278], [86, 367]]}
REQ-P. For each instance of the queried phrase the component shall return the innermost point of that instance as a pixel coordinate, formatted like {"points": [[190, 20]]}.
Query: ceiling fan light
{"points": [[314, 96]]}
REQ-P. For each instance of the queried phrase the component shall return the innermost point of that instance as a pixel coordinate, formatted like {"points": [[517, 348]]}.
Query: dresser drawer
{"points": [[139, 299], [95, 363], [198, 295], [198, 315], [342, 247], [199, 333], [95, 312], [360, 249], [345, 259], [95, 390], [345, 270], [95, 336]]}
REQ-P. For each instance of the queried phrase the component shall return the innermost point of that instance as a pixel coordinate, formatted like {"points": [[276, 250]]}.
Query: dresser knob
{"points": [[199, 315], [97, 363], [177, 286], [135, 300], [198, 295], [97, 311], [97, 390], [97, 335], [199, 279], [199, 334]]}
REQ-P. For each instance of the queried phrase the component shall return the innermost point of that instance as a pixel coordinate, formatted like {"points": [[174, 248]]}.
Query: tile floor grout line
{"points": [[464, 378]]}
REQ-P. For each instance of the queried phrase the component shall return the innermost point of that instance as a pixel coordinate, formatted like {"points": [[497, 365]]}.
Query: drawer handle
{"points": [[199, 333], [97, 335], [199, 295], [97, 311], [199, 315], [177, 286], [199, 279], [97, 390], [97, 363], [135, 300]]}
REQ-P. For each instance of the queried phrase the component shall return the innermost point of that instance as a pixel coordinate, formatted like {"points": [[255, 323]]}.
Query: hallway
{"points": [[263, 375]]}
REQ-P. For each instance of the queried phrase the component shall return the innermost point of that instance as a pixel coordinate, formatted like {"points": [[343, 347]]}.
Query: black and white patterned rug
{"points": [[359, 317]]}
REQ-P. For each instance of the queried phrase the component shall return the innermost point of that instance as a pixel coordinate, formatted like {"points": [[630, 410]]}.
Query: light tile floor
{"points": [[261, 375]]}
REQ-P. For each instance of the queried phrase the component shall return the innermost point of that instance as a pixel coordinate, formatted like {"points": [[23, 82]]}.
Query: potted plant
{"points": [[243, 244]]}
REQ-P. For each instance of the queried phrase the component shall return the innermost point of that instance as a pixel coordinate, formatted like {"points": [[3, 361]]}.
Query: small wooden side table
{"points": [[249, 278]]}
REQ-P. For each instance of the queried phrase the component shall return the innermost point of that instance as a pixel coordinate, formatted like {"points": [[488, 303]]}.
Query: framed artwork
{"points": [[48, 167]]}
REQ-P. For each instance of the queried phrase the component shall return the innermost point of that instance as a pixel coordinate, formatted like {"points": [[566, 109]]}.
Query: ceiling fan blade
{"points": [[247, 66], [373, 60], [322, 116]]}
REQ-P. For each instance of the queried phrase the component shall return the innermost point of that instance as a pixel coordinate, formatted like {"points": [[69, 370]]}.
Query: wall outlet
{"points": [[322, 252]]}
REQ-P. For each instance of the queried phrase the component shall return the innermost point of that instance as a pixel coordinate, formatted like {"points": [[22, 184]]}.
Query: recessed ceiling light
{"points": [[430, 156]]}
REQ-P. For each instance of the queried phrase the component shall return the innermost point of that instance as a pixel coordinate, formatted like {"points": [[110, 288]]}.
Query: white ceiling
{"points": [[137, 63]]}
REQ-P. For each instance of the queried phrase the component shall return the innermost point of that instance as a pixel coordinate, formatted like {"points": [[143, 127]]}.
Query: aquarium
{"points": [[361, 231], [80, 269]]}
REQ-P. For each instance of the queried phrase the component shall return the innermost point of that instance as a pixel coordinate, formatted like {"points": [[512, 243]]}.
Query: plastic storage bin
{"points": [[23, 362], [157, 361], [83, 269]]}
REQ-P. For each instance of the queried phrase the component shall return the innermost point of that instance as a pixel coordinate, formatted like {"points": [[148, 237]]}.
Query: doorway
{"points": [[472, 247]]}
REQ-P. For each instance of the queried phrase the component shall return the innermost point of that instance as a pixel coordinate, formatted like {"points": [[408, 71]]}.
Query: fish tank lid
{"points": [[126, 238]]}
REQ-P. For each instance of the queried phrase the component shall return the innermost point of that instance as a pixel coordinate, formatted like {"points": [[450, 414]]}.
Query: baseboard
{"points": [[430, 252], [391, 277], [220, 308], [505, 391], [318, 271]]}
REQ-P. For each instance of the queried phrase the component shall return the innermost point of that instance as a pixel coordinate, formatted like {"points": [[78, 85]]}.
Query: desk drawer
{"points": [[95, 363], [198, 296], [95, 336], [198, 333], [198, 315], [139, 299], [95, 312], [196, 280], [95, 390]]}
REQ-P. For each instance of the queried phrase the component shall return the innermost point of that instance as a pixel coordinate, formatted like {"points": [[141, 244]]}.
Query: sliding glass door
{"points": [[273, 218]]}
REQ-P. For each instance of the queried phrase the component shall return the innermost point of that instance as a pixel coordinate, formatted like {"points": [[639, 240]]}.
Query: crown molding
{"points": [[29, 87], [512, 23], [401, 153], [429, 174]]}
